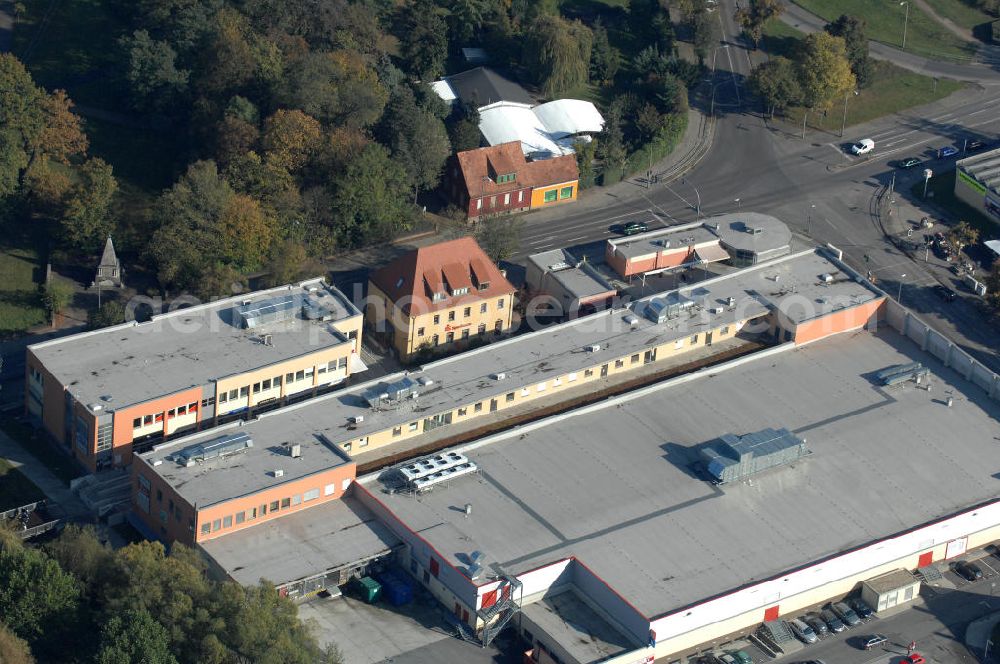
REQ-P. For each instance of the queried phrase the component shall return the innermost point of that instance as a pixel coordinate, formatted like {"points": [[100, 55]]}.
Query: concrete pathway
{"points": [[961, 33], [54, 489]]}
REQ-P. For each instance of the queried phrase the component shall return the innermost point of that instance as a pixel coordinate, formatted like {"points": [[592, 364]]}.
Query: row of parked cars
{"points": [[728, 657], [835, 618]]}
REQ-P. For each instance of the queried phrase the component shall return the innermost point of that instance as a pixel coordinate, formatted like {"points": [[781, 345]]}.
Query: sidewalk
{"points": [[53, 488]]}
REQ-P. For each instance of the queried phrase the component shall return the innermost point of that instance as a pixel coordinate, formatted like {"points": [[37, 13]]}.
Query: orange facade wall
{"points": [[174, 519], [53, 399], [838, 321], [647, 263], [124, 418]]}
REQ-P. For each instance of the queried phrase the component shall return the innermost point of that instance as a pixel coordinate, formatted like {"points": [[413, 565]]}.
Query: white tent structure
{"points": [[548, 130]]}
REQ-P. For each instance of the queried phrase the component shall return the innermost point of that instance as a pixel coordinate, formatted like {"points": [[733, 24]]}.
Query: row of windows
{"points": [[146, 420], [467, 312], [274, 506], [506, 177], [493, 200], [274, 383]]}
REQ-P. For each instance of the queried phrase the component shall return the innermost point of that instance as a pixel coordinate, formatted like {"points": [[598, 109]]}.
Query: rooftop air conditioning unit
{"points": [[425, 381], [717, 310], [731, 301], [594, 348], [357, 419], [631, 320], [157, 462], [245, 303], [499, 375], [278, 472], [295, 451], [95, 407], [826, 278]]}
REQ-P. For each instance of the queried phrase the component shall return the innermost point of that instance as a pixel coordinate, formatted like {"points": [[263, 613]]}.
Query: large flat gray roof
{"points": [[644, 244], [331, 535], [528, 359], [613, 484], [246, 471], [131, 363], [578, 279]]}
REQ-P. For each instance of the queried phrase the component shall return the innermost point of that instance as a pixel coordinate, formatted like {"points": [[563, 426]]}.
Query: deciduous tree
{"points": [[755, 15], [824, 71], [605, 60], [337, 88], [418, 140], [424, 40], [852, 30], [22, 120], [155, 82], [134, 637], [370, 198], [247, 232], [87, 219], [500, 237], [13, 650], [62, 136], [776, 82], [290, 138], [557, 52], [36, 596]]}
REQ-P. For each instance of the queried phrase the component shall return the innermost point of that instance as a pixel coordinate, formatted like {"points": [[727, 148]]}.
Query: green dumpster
{"points": [[369, 589]]}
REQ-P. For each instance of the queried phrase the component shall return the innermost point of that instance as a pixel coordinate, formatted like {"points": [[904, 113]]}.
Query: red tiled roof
{"points": [[475, 165], [441, 267]]}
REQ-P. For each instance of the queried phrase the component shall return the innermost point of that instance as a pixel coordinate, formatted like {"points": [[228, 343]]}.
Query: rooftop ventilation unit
{"points": [[426, 381], [390, 393], [499, 375], [594, 348], [313, 309], [95, 407], [217, 447], [295, 451], [440, 476], [278, 472], [272, 310], [753, 230], [434, 465], [826, 278], [267, 340], [731, 301], [356, 419], [631, 320], [732, 458]]}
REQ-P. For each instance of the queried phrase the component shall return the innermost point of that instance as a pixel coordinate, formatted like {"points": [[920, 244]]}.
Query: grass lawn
{"points": [[20, 305], [58, 463], [780, 38], [70, 45], [15, 488], [941, 189], [924, 35], [960, 13], [893, 89]]}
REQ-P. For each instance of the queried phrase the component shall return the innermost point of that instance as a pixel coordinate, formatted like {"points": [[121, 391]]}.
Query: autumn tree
{"points": [[557, 52], [62, 134], [87, 218], [336, 88], [824, 72], [755, 15], [290, 138], [13, 650], [852, 30], [963, 235], [246, 232]]}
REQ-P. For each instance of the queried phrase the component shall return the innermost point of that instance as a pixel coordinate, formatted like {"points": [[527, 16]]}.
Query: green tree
{"points": [[417, 139], [22, 121], [705, 29], [288, 263], [80, 553], [36, 596], [992, 282], [109, 313], [57, 296], [755, 16], [424, 40], [612, 149], [586, 151], [370, 201], [290, 138], [155, 83], [14, 650], [134, 637], [465, 18], [87, 219], [852, 30], [963, 235], [824, 72], [336, 88], [500, 237], [247, 232], [464, 129], [605, 60], [776, 82], [262, 626], [557, 52]]}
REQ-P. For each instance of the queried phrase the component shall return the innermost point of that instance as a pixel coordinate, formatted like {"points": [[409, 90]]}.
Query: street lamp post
{"points": [[697, 209], [899, 295], [809, 226], [843, 123], [906, 19], [928, 173], [737, 201]]}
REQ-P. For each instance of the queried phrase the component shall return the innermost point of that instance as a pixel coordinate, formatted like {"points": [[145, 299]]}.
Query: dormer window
{"points": [[459, 291], [506, 177], [483, 285], [438, 297]]}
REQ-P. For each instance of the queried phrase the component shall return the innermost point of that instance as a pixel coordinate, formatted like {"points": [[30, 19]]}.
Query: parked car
{"points": [[861, 607], [968, 571], [816, 622], [740, 656], [802, 631], [914, 658], [846, 614], [974, 145], [945, 293], [874, 641], [864, 146], [832, 621], [947, 151], [708, 659], [726, 658], [630, 228], [909, 162]]}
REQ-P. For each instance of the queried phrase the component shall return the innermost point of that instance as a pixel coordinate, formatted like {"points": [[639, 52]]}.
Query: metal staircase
{"points": [[497, 616]]}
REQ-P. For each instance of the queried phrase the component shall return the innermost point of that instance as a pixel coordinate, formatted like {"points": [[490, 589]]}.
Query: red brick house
{"points": [[499, 180]]}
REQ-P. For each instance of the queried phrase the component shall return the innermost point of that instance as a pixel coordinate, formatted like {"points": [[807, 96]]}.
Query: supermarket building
{"points": [[603, 512], [100, 393]]}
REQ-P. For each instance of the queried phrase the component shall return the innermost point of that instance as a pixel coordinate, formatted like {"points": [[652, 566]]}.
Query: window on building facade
{"points": [[566, 192], [412, 426], [478, 407], [551, 196], [363, 441], [434, 340], [479, 204], [216, 525], [510, 397], [227, 521], [449, 337], [694, 339], [285, 502], [482, 328], [465, 333], [300, 374], [274, 506], [619, 364], [500, 303], [451, 315], [724, 330], [297, 499], [506, 199], [437, 319], [397, 431], [244, 391], [467, 312], [462, 412], [256, 388], [206, 528], [240, 517], [420, 331], [311, 494], [482, 308]]}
